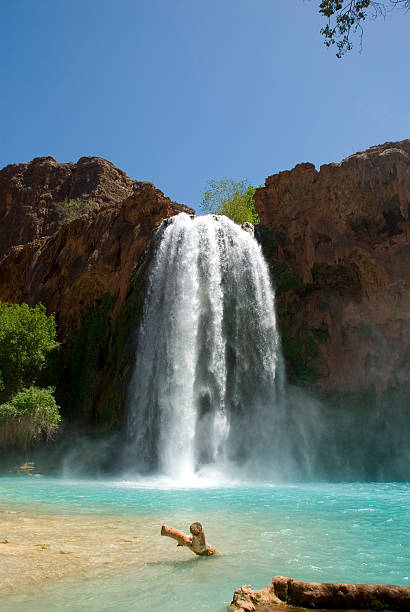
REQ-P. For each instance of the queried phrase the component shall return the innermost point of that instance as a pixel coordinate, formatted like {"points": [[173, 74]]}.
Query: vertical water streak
{"points": [[205, 384]]}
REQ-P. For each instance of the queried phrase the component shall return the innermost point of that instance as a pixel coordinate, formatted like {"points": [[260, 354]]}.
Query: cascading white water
{"points": [[207, 372]]}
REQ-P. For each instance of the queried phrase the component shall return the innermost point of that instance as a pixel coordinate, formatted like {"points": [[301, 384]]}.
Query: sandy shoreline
{"points": [[36, 549]]}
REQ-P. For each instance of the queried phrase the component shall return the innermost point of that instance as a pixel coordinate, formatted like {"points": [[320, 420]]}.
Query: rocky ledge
{"points": [[321, 595]]}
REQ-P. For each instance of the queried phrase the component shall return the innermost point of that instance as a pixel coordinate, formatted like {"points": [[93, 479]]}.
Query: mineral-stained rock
{"points": [[321, 595], [83, 270], [338, 242]]}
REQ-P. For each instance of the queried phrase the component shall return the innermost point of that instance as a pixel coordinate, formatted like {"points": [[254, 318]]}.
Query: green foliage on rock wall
{"points": [[284, 277], [300, 344], [82, 359], [72, 209], [95, 365], [301, 365], [121, 355]]}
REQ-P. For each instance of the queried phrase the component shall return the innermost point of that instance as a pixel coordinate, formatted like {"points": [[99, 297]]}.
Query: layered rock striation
{"points": [[338, 242]]}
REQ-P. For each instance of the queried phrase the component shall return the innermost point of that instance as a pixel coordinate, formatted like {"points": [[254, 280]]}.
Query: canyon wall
{"points": [[338, 243], [83, 270]]}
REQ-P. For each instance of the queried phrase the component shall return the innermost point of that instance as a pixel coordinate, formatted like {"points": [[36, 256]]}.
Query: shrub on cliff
{"points": [[234, 199], [71, 209], [27, 416]]}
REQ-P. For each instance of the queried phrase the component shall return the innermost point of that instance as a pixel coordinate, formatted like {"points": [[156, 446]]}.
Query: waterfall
{"points": [[206, 384]]}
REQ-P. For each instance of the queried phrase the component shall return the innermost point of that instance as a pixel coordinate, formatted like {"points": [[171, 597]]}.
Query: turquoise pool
{"points": [[348, 532]]}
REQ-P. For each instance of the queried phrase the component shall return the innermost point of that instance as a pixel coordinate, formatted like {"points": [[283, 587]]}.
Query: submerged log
{"points": [[322, 595], [196, 542]]}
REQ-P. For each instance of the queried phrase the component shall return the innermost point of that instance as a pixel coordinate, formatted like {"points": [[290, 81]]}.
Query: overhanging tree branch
{"points": [[347, 17]]}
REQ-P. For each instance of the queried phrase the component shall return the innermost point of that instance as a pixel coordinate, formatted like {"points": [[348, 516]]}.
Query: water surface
{"points": [[352, 532]]}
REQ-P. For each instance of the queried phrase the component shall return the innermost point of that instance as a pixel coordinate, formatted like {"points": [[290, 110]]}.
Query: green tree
{"points": [[234, 199], [28, 415], [27, 335], [345, 17], [28, 412]]}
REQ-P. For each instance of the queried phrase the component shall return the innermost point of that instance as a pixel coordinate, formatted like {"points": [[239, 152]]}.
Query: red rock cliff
{"points": [[70, 267], [31, 194], [338, 241], [83, 270]]}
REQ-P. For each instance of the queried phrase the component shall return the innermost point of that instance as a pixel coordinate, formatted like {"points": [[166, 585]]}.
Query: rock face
{"points": [[70, 268], [82, 270], [338, 242], [31, 194], [321, 595]]}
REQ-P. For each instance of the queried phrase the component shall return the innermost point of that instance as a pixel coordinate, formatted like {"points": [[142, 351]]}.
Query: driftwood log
{"points": [[322, 595], [196, 542]]}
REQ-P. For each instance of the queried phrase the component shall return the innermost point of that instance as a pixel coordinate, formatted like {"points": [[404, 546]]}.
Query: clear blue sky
{"points": [[181, 91]]}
